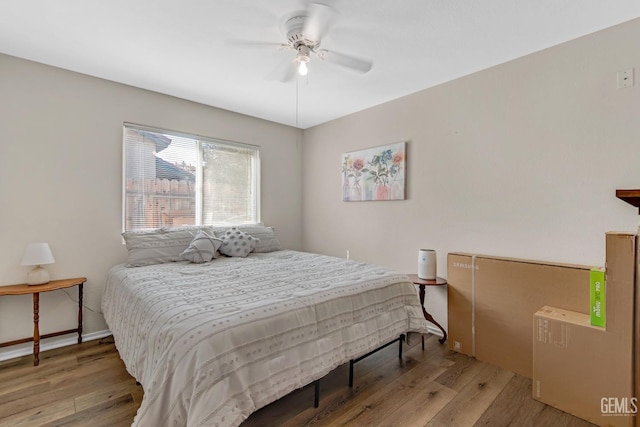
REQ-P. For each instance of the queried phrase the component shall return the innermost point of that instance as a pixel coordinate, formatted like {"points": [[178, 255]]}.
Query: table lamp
{"points": [[37, 254]]}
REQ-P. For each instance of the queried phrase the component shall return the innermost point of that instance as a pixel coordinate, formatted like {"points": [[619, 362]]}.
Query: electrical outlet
{"points": [[457, 345], [625, 78]]}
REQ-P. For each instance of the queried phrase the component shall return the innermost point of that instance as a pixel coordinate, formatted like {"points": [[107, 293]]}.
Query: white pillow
{"points": [[202, 248], [159, 246], [237, 243]]}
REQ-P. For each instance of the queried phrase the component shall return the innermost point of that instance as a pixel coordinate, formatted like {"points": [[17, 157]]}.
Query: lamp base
{"points": [[38, 276]]}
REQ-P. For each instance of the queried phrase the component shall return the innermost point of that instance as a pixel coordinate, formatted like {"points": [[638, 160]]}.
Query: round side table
{"points": [[422, 284]]}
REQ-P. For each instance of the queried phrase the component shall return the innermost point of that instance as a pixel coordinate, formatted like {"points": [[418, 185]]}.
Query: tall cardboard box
{"points": [[636, 341], [492, 300], [622, 308], [585, 370], [576, 371], [460, 302]]}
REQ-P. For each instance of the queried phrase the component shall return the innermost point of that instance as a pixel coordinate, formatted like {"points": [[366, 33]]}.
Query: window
{"points": [[173, 179]]}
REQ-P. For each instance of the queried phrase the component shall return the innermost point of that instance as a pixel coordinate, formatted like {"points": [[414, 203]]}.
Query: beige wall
{"points": [[61, 178], [519, 160]]}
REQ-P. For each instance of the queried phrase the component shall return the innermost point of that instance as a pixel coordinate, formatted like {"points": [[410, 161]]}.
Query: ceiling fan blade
{"points": [[284, 73], [319, 19], [251, 44], [348, 61]]}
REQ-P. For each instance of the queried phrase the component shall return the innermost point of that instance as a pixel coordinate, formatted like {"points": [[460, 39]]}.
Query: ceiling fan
{"points": [[304, 32]]}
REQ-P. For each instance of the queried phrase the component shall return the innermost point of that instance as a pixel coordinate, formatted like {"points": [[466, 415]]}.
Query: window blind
{"points": [[173, 179]]}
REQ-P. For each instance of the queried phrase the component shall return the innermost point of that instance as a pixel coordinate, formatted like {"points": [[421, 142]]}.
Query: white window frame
{"points": [[256, 184]]}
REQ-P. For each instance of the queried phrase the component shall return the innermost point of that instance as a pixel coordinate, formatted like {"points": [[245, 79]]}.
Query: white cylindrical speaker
{"points": [[427, 264]]}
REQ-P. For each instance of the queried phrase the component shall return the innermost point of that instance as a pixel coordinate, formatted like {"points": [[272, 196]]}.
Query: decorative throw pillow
{"points": [[202, 248], [267, 240], [237, 243]]}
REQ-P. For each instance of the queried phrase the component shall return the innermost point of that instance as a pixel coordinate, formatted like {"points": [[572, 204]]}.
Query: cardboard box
{"points": [[622, 309], [492, 300], [636, 358], [597, 301], [636, 341], [576, 371], [620, 276], [586, 370]]}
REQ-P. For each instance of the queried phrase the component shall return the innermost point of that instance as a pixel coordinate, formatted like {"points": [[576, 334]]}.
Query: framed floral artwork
{"points": [[374, 173]]}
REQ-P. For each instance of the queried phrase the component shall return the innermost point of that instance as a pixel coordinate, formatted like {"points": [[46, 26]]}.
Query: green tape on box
{"points": [[598, 298]]}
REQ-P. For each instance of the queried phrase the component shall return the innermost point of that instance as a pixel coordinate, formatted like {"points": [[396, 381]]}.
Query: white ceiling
{"points": [[178, 47]]}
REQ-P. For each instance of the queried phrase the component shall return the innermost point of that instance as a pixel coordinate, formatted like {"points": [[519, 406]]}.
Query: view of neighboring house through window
{"points": [[173, 179]]}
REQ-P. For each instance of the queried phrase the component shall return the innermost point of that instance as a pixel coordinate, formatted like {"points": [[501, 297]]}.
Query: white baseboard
{"points": [[433, 330], [51, 343]]}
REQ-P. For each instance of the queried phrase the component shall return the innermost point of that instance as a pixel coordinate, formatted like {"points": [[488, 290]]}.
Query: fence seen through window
{"points": [[172, 179]]}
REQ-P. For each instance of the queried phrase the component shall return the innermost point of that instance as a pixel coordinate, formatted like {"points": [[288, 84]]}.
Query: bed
{"points": [[213, 342]]}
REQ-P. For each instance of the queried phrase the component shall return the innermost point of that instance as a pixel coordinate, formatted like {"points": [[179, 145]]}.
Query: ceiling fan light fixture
{"points": [[302, 58], [302, 64]]}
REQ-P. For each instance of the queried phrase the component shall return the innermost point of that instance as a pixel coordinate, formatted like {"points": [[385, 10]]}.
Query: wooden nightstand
{"points": [[36, 290], [422, 283]]}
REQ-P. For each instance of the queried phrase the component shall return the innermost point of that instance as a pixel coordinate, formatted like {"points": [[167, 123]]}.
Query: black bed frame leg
{"points": [[351, 362], [316, 397]]}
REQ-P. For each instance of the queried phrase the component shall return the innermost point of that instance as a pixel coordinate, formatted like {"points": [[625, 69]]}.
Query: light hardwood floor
{"points": [[87, 385]]}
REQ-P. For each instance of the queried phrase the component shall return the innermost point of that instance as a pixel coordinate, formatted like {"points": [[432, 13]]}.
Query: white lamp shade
{"points": [[37, 254]]}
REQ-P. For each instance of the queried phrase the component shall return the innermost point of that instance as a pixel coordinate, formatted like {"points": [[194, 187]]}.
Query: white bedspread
{"points": [[212, 343]]}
